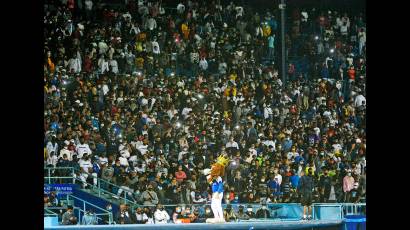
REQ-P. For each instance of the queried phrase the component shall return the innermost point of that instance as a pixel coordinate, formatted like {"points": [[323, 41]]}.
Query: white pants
{"points": [[216, 205], [84, 176]]}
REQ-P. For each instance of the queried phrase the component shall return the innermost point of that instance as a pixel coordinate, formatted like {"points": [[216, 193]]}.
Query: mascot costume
{"points": [[214, 176]]}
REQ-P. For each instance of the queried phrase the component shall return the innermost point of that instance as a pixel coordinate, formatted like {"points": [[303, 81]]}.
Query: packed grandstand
{"points": [[141, 97]]}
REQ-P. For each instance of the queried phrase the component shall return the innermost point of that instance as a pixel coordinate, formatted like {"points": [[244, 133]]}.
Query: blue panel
{"points": [[328, 212], [50, 221]]}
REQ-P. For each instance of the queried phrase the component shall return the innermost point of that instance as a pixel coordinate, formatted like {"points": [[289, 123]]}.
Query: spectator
{"points": [[150, 215], [177, 214], [197, 217], [229, 213], [52, 145], [348, 183], [180, 175], [149, 196], [87, 171], [65, 151], [306, 187], [89, 218], [325, 186], [123, 216], [241, 214], [83, 148], [139, 216], [52, 159], [249, 211], [160, 215], [208, 213], [68, 217], [274, 187], [263, 212]]}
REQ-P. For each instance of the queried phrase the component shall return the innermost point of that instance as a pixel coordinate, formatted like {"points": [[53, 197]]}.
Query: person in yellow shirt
{"points": [[266, 30], [233, 92], [139, 62], [309, 166], [233, 76], [185, 30], [227, 91], [51, 65]]}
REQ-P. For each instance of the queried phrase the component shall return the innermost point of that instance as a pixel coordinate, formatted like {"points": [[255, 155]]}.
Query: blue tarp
{"points": [[355, 222]]}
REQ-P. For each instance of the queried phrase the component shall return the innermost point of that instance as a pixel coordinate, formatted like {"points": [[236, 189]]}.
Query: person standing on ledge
{"points": [[306, 186]]}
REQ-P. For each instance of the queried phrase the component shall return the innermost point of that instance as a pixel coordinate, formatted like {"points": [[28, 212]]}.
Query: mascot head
{"points": [[217, 169]]}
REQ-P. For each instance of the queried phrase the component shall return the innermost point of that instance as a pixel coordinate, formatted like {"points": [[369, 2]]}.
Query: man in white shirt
{"points": [[151, 24], [123, 161], [83, 148], [52, 145], [103, 65], [75, 64], [66, 151], [253, 151], [114, 66], [124, 149], [292, 153], [180, 8], [232, 144], [103, 47], [277, 175], [86, 170], [143, 148], [186, 111], [270, 142], [359, 100], [52, 159], [239, 11], [160, 215], [182, 153], [203, 64], [155, 47]]}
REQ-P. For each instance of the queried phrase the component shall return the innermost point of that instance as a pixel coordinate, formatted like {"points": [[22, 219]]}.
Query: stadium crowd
{"points": [[146, 96]]}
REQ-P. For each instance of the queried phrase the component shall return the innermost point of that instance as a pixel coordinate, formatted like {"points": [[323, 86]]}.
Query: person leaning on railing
{"points": [[68, 217], [241, 214], [229, 213]]}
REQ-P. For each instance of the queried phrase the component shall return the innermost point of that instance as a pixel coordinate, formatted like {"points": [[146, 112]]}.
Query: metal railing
{"points": [[100, 190], [49, 212], [83, 209], [354, 208], [51, 171]]}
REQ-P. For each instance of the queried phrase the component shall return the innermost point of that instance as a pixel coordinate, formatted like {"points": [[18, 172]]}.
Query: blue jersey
{"points": [[218, 187]]}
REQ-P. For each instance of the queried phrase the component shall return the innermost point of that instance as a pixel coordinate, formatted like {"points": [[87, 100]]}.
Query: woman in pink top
{"points": [[180, 175], [348, 182]]}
